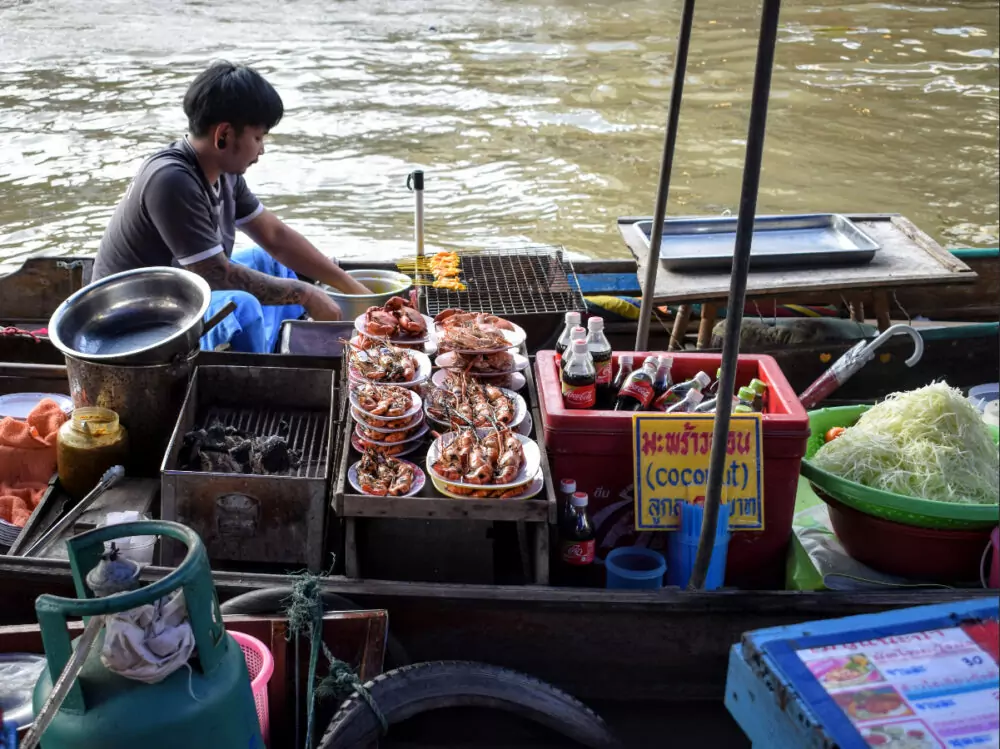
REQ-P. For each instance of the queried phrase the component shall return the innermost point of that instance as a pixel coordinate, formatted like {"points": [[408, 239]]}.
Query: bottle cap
{"points": [[718, 373], [572, 318], [624, 358], [580, 346], [595, 323], [694, 397], [667, 360], [758, 386], [746, 394], [653, 360], [702, 379], [577, 332], [567, 486], [579, 499]]}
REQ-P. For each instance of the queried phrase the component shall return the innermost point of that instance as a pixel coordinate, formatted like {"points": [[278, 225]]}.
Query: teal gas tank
{"points": [[207, 705]]}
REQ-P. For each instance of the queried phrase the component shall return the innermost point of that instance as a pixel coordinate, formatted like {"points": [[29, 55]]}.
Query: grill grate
{"points": [[308, 433], [518, 281]]}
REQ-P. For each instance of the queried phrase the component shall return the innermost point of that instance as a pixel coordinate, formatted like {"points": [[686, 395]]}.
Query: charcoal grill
{"points": [[531, 286], [261, 519]]}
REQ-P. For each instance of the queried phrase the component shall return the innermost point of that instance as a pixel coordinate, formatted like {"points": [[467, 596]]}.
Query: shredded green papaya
{"points": [[929, 443]]}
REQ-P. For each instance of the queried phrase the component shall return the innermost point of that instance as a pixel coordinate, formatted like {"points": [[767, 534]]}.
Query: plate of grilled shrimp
{"points": [[380, 475], [525, 491], [483, 365], [497, 458], [397, 319], [397, 449], [376, 424], [444, 378], [385, 439], [377, 360], [385, 402], [476, 332], [467, 402]]}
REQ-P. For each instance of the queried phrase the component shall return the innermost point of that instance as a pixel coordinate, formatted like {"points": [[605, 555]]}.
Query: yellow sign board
{"points": [[671, 453]]}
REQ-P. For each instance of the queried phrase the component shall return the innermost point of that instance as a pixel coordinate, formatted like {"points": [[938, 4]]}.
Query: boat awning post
{"points": [[666, 165], [737, 285]]}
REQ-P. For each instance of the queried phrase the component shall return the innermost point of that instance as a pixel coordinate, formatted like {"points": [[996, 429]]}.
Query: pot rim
{"points": [[200, 283], [387, 275]]}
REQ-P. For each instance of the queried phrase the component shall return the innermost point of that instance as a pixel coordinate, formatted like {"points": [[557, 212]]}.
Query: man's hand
{"points": [[320, 306]]}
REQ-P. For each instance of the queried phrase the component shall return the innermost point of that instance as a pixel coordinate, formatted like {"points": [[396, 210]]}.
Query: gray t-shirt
{"points": [[171, 215]]}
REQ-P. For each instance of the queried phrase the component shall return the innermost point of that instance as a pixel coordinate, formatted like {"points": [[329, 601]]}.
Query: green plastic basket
{"points": [[923, 513]]}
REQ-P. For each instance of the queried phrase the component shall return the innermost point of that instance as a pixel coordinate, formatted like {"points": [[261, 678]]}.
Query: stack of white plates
{"points": [[396, 435], [9, 533]]}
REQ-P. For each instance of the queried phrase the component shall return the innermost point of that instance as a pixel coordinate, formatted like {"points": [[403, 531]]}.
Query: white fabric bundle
{"points": [[150, 642]]}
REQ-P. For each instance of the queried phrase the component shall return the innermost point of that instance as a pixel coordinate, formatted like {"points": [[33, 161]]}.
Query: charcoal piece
{"points": [[242, 453], [218, 462], [274, 454], [218, 448]]}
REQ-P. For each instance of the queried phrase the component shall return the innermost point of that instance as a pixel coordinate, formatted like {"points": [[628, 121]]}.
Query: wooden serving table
{"points": [[907, 257]]}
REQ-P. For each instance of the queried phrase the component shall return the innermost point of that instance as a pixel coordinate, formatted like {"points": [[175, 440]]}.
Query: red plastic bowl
{"points": [[922, 554]]}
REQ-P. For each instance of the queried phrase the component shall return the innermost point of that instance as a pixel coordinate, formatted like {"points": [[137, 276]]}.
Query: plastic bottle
{"points": [[745, 406], [689, 402], [637, 392], [662, 381], [759, 387], [600, 351], [576, 543], [579, 378], [562, 343], [676, 393], [567, 488], [624, 370], [578, 333]]}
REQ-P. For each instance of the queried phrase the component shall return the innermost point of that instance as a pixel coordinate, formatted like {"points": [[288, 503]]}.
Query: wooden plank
{"points": [[709, 313], [444, 508], [882, 310], [907, 257], [351, 548], [681, 320], [33, 291], [541, 539]]}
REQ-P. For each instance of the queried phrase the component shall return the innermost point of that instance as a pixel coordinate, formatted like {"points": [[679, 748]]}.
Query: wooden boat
{"points": [[599, 645]]}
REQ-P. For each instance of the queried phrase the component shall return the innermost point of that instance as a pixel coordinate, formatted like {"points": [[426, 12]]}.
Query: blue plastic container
{"points": [[634, 568], [682, 547]]}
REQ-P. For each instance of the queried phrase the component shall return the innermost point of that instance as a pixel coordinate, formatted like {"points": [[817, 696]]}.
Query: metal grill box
{"points": [[260, 519]]}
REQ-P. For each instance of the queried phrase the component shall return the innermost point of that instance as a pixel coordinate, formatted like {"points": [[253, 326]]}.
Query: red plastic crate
{"points": [[595, 448]]}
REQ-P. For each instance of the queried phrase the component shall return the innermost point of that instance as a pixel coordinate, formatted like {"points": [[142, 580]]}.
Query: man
{"points": [[187, 200]]}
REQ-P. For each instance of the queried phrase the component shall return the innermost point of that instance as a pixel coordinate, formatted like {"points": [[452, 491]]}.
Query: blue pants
{"points": [[253, 328]]}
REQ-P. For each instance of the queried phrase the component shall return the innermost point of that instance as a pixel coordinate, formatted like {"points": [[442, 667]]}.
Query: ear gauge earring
{"points": [[221, 143]]}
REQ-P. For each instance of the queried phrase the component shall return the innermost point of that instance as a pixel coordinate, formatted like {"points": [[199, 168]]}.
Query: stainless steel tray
{"points": [[778, 242]]}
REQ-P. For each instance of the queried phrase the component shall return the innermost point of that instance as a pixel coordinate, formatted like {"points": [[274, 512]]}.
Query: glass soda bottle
{"points": [[662, 381], [637, 392], [624, 370], [576, 543], [676, 393], [579, 378]]}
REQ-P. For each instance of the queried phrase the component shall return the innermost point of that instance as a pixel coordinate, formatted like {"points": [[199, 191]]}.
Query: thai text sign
{"points": [[671, 453]]}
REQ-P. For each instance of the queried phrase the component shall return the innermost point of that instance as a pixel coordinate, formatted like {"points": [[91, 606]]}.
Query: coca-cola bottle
{"points": [[572, 321], [567, 488], [576, 334], [624, 370], [579, 378], [662, 381], [576, 543], [600, 351], [637, 392]]}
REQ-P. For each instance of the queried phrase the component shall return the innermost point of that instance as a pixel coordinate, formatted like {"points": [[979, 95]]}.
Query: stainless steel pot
{"points": [[141, 316], [384, 285]]}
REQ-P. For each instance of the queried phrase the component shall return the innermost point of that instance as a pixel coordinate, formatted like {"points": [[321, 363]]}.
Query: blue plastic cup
{"points": [[682, 547], [634, 568]]}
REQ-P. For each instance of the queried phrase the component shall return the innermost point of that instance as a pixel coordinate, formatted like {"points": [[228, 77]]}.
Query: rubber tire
{"points": [[270, 601], [411, 690]]}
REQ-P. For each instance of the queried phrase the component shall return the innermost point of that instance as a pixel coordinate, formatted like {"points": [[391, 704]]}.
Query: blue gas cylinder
{"points": [[208, 703]]}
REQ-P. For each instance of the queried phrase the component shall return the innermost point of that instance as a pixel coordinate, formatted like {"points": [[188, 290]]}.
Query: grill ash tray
{"points": [[263, 441]]}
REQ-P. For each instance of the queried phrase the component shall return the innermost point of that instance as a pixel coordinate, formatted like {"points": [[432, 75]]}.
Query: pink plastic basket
{"points": [[260, 664]]}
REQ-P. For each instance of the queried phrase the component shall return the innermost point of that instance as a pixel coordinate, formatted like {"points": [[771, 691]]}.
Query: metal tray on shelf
{"points": [[692, 244]]}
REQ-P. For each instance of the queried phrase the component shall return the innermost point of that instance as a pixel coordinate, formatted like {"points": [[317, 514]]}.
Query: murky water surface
{"points": [[537, 122]]}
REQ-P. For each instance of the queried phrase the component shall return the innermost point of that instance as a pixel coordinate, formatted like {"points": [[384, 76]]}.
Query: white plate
{"points": [[19, 405], [520, 411], [512, 381], [358, 416], [421, 431], [422, 360], [528, 490], [513, 338], [359, 325], [359, 446], [532, 461], [419, 479], [525, 426], [414, 407], [449, 361]]}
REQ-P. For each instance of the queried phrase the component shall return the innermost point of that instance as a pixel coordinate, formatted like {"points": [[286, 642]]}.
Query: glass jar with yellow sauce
{"points": [[90, 443]]}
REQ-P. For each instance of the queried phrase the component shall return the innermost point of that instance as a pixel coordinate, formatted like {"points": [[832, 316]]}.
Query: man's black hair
{"points": [[231, 93]]}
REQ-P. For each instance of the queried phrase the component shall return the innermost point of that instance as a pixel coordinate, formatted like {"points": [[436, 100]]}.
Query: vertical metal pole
{"points": [[666, 165], [738, 285], [415, 182]]}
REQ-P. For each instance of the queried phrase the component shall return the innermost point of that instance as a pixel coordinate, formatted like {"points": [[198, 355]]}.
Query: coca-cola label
{"points": [[640, 389], [579, 396], [604, 373], [577, 552]]}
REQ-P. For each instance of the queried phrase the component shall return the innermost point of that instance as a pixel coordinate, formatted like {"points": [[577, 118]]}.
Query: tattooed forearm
{"points": [[224, 275]]}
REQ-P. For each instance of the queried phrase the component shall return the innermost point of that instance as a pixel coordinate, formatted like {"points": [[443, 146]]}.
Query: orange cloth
{"points": [[28, 459]]}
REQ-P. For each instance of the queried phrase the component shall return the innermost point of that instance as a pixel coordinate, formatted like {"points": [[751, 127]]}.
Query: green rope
{"points": [[305, 616]]}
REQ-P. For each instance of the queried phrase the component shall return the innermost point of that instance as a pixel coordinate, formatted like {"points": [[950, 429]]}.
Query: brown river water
{"points": [[536, 122]]}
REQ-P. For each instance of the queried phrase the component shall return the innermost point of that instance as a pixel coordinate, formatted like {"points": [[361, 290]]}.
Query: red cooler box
{"points": [[595, 448]]}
